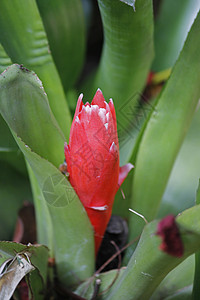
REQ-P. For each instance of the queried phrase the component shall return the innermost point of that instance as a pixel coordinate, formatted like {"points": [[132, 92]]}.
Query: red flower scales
{"points": [[92, 158]]}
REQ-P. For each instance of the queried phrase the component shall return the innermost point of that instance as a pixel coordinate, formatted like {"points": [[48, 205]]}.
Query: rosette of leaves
{"points": [[34, 110]]}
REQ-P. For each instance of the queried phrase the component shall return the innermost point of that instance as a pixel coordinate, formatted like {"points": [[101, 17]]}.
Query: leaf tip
{"points": [[130, 3]]}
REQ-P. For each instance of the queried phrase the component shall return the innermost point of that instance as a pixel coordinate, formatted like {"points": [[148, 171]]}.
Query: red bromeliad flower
{"points": [[92, 158]]}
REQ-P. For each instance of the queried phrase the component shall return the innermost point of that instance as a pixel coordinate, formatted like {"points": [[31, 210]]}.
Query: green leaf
{"points": [[149, 265], [70, 235], [43, 219], [87, 288], [183, 294], [121, 206], [165, 132], [24, 40], [73, 241], [9, 151], [126, 57], [171, 27], [177, 279], [7, 143], [8, 147], [185, 174], [38, 278], [22, 96], [25, 108], [65, 26]]}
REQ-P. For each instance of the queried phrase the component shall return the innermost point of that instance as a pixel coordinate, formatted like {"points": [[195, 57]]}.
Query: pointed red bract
{"points": [[99, 99], [92, 158]]}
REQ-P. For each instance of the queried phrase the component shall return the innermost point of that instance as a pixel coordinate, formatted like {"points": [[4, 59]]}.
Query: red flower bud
{"points": [[171, 239], [92, 158]]}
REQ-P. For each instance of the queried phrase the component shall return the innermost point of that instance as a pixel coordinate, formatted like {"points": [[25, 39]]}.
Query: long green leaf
{"points": [[126, 57], [24, 40], [7, 143], [68, 230], [177, 279], [185, 173], [171, 27], [8, 147], [182, 294], [73, 241], [165, 132], [43, 218], [65, 26], [24, 106], [9, 152]]}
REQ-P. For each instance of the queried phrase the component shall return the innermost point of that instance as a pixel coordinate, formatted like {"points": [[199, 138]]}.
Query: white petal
{"points": [[102, 114], [106, 126], [107, 117], [113, 147], [77, 119], [100, 208], [94, 107], [87, 109]]}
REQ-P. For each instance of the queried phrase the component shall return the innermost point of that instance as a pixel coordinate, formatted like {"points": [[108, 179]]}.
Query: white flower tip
{"points": [[111, 100], [77, 120], [88, 109], [106, 126], [99, 90], [102, 114], [107, 117], [113, 147], [100, 208], [81, 96], [129, 166]]}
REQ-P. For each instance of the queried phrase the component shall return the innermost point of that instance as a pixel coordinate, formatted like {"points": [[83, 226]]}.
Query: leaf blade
{"points": [[25, 108], [65, 26], [171, 27], [171, 119], [126, 57], [24, 40]]}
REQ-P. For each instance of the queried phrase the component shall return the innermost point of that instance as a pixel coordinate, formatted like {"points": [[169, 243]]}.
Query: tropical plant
{"points": [[150, 67]]}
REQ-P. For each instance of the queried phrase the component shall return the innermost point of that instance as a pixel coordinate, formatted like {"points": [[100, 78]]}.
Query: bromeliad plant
{"points": [[73, 209]]}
